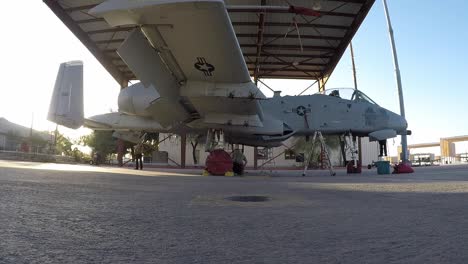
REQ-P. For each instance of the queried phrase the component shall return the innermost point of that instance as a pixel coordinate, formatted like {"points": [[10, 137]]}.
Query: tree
{"points": [[151, 143], [80, 156], [100, 141], [194, 140], [63, 145]]}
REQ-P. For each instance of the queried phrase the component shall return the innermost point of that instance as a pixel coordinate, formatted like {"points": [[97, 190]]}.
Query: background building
{"points": [[14, 137], [279, 157], [443, 151]]}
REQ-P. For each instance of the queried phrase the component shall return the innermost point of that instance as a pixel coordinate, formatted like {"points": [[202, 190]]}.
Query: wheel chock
{"points": [[229, 174]]}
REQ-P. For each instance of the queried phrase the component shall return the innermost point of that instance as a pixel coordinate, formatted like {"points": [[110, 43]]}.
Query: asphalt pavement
{"points": [[52, 213]]}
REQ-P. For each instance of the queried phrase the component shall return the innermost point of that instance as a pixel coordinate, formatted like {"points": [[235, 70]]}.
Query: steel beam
{"points": [[322, 81], [290, 47], [253, 24], [308, 87], [259, 35], [289, 36], [255, 165], [109, 41], [349, 35], [349, 1], [109, 30], [425, 145], [265, 70], [91, 20], [288, 24], [86, 40], [294, 66], [288, 63], [278, 10], [292, 55], [78, 8], [289, 76], [87, 7], [183, 144]]}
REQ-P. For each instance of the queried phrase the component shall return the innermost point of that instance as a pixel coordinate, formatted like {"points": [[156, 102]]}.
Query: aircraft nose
{"points": [[398, 123]]}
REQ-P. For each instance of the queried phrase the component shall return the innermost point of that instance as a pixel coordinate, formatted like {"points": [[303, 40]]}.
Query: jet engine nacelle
{"points": [[135, 99]]}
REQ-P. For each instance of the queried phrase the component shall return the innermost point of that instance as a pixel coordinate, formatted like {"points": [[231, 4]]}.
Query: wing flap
{"points": [[233, 119], [232, 111], [147, 65]]}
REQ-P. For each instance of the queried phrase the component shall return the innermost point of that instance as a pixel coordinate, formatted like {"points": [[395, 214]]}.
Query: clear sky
{"points": [[430, 38]]}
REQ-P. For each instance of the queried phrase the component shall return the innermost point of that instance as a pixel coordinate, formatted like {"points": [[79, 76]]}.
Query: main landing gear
{"points": [[218, 162]]}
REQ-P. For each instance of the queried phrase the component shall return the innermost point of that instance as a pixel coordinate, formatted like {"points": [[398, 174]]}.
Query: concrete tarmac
{"points": [[52, 213]]}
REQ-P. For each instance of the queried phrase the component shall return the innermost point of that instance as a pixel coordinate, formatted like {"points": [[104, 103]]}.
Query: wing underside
{"points": [[195, 38], [188, 51]]}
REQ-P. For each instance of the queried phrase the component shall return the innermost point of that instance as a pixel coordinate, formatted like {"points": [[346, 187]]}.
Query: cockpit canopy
{"points": [[348, 94]]}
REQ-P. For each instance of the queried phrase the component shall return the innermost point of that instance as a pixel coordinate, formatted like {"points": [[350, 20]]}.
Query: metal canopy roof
{"points": [[275, 42]]}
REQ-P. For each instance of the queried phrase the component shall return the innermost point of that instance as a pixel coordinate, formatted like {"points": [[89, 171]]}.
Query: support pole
{"points": [[261, 24], [321, 84], [120, 142], [354, 65], [255, 165], [55, 139], [404, 143], [120, 151], [183, 143], [356, 88]]}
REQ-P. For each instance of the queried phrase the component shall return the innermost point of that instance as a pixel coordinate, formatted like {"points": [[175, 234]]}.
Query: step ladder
{"points": [[325, 152]]}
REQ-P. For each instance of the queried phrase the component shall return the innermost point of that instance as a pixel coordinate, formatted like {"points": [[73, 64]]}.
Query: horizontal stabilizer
{"points": [[119, 121], [66, 106], [130, 136]]}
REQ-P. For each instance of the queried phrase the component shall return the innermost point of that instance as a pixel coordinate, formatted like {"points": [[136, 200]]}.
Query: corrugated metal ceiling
{"points": [[291, 46]]}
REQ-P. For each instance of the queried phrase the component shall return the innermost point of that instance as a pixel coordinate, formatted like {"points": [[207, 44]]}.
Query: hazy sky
{"points": [[429, 36]]}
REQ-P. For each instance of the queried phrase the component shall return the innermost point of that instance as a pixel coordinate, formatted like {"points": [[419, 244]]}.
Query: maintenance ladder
{"points": [[308, 159]]}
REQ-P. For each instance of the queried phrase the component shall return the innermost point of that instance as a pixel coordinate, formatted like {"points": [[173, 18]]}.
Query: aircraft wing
{"points": [[195, 38]]}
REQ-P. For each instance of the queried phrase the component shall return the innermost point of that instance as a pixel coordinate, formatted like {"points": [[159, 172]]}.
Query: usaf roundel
{"points": [[203, 66], [301, 110]]}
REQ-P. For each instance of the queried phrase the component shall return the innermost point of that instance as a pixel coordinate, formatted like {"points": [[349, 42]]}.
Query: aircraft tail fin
{"points": [[66, 105]]}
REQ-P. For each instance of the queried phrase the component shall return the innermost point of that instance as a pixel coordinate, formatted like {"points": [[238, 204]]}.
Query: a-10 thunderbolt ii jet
{"points": [[193, 79]]}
